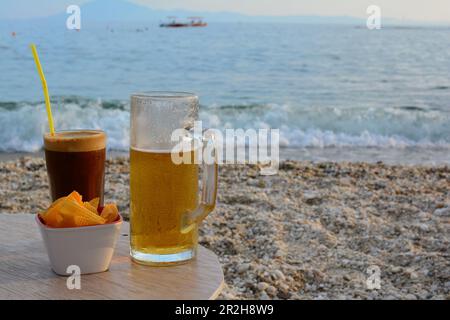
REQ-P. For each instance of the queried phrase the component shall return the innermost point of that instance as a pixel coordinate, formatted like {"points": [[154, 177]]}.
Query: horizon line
{"points": [[289, 17]]}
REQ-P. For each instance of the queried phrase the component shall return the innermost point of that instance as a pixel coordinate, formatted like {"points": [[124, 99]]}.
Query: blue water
{"points": [[323, 86]]}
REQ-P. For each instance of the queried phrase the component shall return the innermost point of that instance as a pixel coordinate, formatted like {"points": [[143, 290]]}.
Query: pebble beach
{"points": [[313, 231]]}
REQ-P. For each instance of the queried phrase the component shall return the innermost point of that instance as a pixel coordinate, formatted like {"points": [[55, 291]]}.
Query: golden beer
{"points": [[165, 207], [161, 192]]}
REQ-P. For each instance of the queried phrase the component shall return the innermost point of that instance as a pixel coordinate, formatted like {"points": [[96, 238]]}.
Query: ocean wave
{"points": [[22, 124], [325, 139], [22, 127]]}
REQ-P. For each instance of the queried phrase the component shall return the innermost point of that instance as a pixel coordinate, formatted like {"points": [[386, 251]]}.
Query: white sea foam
{"points": [[23, 124], [22, 128], [323, 127]]}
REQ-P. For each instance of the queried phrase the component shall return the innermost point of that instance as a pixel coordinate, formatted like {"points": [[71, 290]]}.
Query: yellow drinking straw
{"points": [[45, 88]]}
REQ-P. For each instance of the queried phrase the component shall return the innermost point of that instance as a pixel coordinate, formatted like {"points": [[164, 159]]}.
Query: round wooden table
{"points": [[25, 271]]}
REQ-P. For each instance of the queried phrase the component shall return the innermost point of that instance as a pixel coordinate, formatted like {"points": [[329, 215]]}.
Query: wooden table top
{"points": [[25, 271]]}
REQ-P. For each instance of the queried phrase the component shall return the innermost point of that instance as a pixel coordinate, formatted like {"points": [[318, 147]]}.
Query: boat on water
{"points": [[197, 22], [175, 23]]}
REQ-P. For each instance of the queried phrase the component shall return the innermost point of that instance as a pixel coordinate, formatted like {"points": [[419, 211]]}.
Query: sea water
{"points": [[325, 87]]}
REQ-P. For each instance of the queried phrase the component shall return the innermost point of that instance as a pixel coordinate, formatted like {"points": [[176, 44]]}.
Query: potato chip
{"points": [[95, 202], [83, 222], [76, 196], [52, 216], [110, 212], [91, 208], [71, 211]]}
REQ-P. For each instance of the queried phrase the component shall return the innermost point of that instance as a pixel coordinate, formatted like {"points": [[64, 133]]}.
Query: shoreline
{"points": [[392, 156]]}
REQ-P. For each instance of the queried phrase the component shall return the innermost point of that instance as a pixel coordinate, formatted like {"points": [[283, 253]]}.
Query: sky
{"points": [[412, 10]]}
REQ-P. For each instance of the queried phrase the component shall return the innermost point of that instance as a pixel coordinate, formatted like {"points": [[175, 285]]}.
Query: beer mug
{"points": [[165, 205]]}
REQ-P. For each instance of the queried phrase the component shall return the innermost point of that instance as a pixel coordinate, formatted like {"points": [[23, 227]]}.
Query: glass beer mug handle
{"points": [[209, 185]]}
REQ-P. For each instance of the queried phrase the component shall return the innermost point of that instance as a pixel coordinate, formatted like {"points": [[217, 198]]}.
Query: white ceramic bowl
{"points": [[90, 248]]}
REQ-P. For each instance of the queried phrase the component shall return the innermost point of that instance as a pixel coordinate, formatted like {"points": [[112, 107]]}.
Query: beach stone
{"points": [[271, 290], [396, 269], [264, 296], [243, 268], [262, 286], [442, 212], [424, 227], [283, 287], [447, 285], [312, 197], [278, 275]]}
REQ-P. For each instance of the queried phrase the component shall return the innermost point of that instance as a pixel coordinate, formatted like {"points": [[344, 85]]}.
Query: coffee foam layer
{"points": [[75, 141]]}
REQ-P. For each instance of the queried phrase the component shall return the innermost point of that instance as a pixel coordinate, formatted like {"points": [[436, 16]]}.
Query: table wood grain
{"points": [[25, 271]]}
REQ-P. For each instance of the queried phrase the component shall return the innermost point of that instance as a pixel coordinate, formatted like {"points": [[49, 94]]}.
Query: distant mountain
{"points": [[116, 10], [122, 10], [108, 11]]}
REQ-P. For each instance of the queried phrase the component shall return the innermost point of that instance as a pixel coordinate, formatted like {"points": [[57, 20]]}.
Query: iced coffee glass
{"points": [[76, 162]]}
